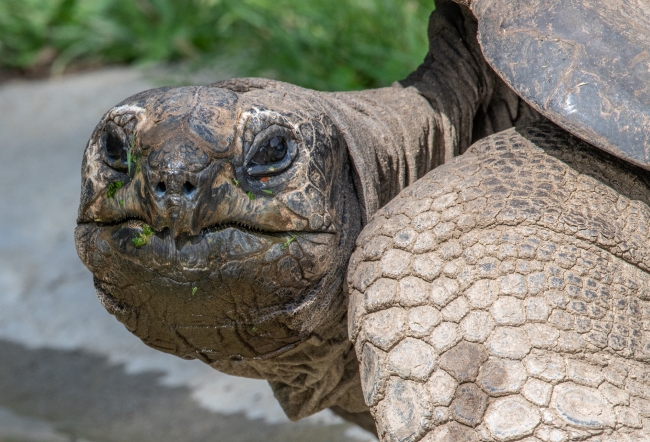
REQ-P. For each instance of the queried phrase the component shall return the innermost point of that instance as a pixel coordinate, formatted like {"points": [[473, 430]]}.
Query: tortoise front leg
{"points": [[504, 297]]}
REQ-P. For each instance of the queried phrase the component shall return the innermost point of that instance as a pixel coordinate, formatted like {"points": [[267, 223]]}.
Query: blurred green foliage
{"points": [[321, 44]]}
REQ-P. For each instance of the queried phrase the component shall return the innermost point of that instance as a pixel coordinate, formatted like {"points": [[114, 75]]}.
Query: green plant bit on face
{"points": [[194, 289], [143, 237], [272, 168], [254, 328], [139, 241], [121, 203], [251, 195], [112, 188], [289, 241], [134, 159], [130, 156], [235, 181], [267, 191]]}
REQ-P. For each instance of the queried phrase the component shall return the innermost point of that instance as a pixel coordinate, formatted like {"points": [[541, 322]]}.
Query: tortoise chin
{"points": [[225, 293]]}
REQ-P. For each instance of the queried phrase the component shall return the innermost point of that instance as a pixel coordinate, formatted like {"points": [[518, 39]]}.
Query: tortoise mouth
{"points": [[228, 241]]}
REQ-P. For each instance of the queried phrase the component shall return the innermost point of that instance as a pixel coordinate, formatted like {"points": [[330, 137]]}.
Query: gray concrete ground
{"points": [[68, 370]]}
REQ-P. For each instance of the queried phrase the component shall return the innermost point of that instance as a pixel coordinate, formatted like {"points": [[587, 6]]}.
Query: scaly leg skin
{"points": [[505, 297]]}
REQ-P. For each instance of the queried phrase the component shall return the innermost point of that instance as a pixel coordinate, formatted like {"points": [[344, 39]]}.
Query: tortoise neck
{"points": [[315, 374], [390, 140], [395, 135]]}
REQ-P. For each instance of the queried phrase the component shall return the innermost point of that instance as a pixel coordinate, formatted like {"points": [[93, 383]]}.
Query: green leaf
{"points": [[147, 230], [139, 241], [317, 44], [251, 195], [289, 241], [267, 191], [143, 237], [112, 188], [194, 290]]}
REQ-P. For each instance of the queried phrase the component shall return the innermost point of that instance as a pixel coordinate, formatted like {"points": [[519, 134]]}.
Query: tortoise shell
{"points": [[584, 64]]}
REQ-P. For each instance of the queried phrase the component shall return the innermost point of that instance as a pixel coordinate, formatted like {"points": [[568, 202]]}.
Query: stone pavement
{"points": [[68, 370]]}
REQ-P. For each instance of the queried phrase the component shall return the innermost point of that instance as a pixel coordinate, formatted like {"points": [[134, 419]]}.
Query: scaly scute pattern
{"points": [[504, 297]]}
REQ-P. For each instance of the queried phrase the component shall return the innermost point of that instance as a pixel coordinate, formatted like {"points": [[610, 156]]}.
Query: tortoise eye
{"points": [[114, 147], [272, 151]]}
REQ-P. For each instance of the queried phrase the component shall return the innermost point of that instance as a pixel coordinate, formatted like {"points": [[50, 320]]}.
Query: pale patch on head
{"points": [[125, 109], [123, 114]]}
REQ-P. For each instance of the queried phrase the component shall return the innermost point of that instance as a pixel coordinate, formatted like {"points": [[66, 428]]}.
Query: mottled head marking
{"points": [[204, 115]]}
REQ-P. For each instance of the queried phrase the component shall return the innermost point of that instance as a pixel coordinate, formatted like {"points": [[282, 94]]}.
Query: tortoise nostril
{"points": [[188, 188], [161, 187]]}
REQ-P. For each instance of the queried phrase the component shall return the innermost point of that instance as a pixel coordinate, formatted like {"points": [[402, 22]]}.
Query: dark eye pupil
{"points": [[273, 151], [114, 148]]}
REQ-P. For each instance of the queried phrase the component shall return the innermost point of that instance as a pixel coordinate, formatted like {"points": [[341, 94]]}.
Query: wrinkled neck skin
{"points": [[396, 135], [389, 134], [218, 221]]}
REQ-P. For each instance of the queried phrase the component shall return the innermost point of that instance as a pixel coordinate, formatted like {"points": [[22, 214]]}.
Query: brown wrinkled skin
{"points": [[499, 297]]}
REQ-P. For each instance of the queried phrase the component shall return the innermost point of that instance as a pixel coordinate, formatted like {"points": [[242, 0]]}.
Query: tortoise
{"points": [[461, 256]]}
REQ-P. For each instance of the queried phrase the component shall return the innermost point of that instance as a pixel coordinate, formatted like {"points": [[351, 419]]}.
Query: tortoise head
{"points": [[218, 221]]}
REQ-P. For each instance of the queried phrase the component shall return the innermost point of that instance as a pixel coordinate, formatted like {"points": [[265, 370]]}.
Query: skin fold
{"points": [[218, 221]]}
